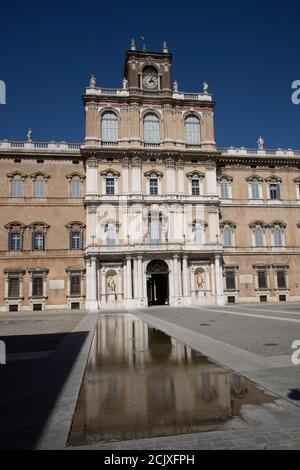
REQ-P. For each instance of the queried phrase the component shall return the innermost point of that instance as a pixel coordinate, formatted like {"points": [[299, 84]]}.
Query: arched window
{"points": [[228, 229], [155, 227], [259, 236], [151, 129], [277, 229], [111, 229], [192, 130], [109, 127]]}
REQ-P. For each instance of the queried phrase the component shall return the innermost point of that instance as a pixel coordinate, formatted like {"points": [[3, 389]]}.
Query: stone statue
{"points": [[29, 136], [261, 143], [125, 84], [175, 86], [111, 284], [205, 88], [200, 281], [93, 81]]}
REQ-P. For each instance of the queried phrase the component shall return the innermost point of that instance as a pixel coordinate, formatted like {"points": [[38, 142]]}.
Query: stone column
{"points": [[125, 175], [213, 224], [91, 285], [180, 176], [120, 293], [103, 286], [128, 279], [185, 277], [219, 281], [211, 177], [136, 175], [135, 278], [140, 277], [92, 176], [171, 183], [177, 278]]}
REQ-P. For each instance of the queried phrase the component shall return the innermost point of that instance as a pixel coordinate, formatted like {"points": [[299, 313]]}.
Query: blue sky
{"points": [[248, 52]]}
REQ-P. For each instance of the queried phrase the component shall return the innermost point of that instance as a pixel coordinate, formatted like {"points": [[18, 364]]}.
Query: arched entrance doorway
{"points": [[158, 283]]}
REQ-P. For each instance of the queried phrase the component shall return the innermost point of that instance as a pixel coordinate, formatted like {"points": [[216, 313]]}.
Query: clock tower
{"points": [[148, 71]]}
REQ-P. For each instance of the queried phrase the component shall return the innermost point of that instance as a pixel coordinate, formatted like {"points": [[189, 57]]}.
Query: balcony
{"points": [[17, 146], [135, 248], [232, 151]]}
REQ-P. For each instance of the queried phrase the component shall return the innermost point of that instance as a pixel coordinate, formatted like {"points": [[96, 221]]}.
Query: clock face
{"points": [[150, 80]]}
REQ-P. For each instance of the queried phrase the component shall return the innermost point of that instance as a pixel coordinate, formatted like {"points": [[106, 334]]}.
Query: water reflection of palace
{"points": [[141, 382]]}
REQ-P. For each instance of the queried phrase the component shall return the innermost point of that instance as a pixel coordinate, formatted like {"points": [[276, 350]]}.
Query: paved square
{"points": [[40, 384]]}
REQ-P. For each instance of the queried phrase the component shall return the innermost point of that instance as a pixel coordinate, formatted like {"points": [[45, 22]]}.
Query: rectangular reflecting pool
{"points": [[140, 382]]}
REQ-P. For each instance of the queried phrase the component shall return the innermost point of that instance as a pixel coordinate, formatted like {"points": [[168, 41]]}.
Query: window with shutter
{"points": [[39, 188], [109, 126], [151, 129], [75, 284], [281, 279], [192, 130], [227, 237], [277, 237], [13, 287], [262, 279], [37, 286], [16, 188], [259, 237], [230, 279], [224, 189], [75, 188], [255, 190]]}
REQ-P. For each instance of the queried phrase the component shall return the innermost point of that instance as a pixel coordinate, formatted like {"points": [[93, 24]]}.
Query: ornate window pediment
{"points": [[17, 175], [39, 226], [154, 174], [15, 226], [254, 179], [273, 179], [277, 224], [228, 224], [74, 226], [227, 178], [110, 172], [75, 175], [41, 175], [195, 175], [258, 224]]}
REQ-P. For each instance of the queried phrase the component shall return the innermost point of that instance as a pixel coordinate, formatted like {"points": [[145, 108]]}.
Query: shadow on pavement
{"points": [[29, 389]]}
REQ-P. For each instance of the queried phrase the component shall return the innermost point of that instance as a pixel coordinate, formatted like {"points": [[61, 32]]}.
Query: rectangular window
{"points": [[262, 280], [281, 279], [37, 286], [198, 235], [16, 188], [277, 236], [75, 241], [228, 240], [39, 188], [15, 241], [224, 190], [259, 237], [111, 235], [110, 186], [75, 188], [13, 287], [274, 191], [38, 241], [153, 186], [195, 188], [155, 225], [255, 190], [230, 279], [75, 284]]}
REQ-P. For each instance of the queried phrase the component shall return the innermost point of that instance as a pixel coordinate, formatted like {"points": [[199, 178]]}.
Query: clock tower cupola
{"points": [[148, 71]]}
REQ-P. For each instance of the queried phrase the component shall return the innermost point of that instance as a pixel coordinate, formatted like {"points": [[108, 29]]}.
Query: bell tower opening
{"points": [[158, 283]]}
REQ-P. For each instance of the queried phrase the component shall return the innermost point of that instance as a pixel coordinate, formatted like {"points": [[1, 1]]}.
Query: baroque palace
{"points": [[147, 210]]}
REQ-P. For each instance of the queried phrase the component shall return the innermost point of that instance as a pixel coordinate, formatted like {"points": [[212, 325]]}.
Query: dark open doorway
{"points": [[158, 283]]}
